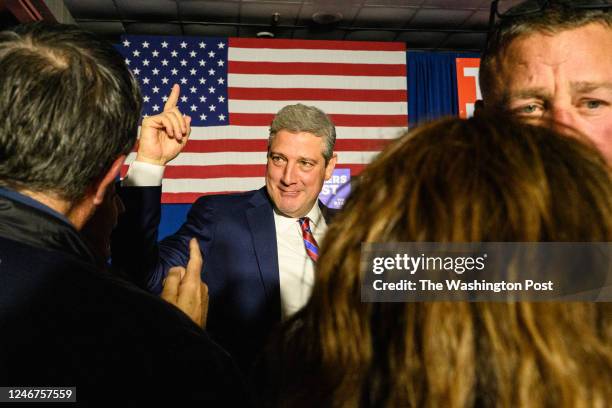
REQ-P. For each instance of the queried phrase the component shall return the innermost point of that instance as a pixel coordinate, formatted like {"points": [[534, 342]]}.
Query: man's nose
{"points": [[289, 174], [563, 116]]}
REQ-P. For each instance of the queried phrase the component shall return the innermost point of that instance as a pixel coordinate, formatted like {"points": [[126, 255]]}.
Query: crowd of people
{"points": [[256, 299]]}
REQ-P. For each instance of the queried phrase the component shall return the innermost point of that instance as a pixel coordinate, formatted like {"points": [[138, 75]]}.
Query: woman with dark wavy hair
{"points": [[481, 179]]}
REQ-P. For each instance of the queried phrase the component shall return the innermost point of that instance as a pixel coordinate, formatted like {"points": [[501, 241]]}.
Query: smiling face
{"points": [[295, 171], [565, 77]]}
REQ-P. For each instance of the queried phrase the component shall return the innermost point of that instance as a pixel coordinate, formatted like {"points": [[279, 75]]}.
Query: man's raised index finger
{"points": [[172, 98]]}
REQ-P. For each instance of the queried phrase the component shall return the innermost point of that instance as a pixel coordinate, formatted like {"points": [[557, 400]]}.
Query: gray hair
{"points": [[301, 118], [70, 108], [557, 17]]}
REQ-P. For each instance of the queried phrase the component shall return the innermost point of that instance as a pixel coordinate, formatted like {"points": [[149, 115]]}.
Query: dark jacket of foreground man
{"points": [[64, 322]]}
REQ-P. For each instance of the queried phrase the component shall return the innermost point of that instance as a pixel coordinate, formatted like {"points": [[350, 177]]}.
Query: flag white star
{"points": [[174, 71], [126, 43], [164, 44], [211, 54], [193, 89], [193, 71], [220, 81], [127, 61], [155, 107], [145, 80], [221, 45], [220, 63], [174, 53], [155, 71], [202, 98], [194, 108], [183, 44], [145, 45], [212, 108], [202, 81], [165, 98], [211, 72], [165, 62], [183, 80], [146, 98], [202, 45], [145, 62], [184, 98], [211, 90], [193, 54], [136, 53], [202, 63], [183, 63], [221, 99], [136, 71], [145, 116], [164, 80], [155, 53], [155, 89], [222, 117]]}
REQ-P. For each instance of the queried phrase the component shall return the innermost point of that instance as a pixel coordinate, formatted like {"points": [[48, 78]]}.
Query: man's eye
{"points": [[529, 109], [276, 159], [306, 164], [593, 104]]}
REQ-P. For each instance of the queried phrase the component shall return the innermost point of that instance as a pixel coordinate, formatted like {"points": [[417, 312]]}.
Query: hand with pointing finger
{"points": [[184, 287], [163, 136]]}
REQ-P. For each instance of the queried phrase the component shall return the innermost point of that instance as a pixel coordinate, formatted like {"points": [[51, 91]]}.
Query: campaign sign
{"points": [[468, 89], [336, 189]]}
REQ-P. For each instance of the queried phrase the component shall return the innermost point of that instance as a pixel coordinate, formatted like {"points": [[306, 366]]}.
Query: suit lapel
{"points": [[263, 232]]}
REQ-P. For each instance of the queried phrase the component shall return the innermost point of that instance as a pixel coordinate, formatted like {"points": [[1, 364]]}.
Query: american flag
{"points": [[232, 87]]}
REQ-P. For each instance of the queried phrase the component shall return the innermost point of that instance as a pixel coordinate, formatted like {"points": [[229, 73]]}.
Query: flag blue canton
{"points": [[197, 64]]}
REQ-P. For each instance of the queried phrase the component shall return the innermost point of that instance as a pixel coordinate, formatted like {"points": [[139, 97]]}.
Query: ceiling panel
{"points": [[474, 41], [153, 28], [147, 10], [91, 9], [210, 30], [261, 13], [214, 11], [307, 10], [439, 18], [386, 17]]}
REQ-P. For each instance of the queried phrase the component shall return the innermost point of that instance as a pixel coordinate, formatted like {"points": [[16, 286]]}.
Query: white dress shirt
{"points": [[295, 268]]}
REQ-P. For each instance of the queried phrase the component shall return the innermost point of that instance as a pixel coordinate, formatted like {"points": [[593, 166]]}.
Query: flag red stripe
{"points": [[234, 170], [315, 68], [302, 94], [264, 119], [316, 44], [261, 145], [187, 198]]}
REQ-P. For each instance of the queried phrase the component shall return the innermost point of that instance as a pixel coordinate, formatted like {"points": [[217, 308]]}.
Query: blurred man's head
{"points": [[70, 110], [552, 62], [300, 158]]}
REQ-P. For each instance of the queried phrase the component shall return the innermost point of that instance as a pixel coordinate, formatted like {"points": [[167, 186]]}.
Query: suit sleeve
{"points": [[135, 250]]}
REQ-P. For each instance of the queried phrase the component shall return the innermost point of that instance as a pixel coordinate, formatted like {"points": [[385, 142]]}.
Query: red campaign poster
{"points": [[468, 90]]}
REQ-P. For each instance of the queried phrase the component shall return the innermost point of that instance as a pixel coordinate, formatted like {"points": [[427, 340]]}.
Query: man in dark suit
{"points": [[259, 247], [70, 110]]}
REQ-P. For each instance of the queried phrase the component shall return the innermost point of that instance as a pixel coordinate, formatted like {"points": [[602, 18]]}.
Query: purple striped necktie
{"points": [[312, 249]]}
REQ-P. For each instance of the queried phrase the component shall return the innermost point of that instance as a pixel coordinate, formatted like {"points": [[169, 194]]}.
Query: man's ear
{"points": [[109, 177], [331, 164]]}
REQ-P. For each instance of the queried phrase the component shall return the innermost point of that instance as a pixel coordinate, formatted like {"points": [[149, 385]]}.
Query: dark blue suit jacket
{"points": [[237, 237]]}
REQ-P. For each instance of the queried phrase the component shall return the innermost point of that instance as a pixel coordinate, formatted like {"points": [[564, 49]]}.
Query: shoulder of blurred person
{"points": [[489, 178], [70, 113]]}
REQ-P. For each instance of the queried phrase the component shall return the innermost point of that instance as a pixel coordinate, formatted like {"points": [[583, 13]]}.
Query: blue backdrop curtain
{"points": [[432, 84], [432, 93]]}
